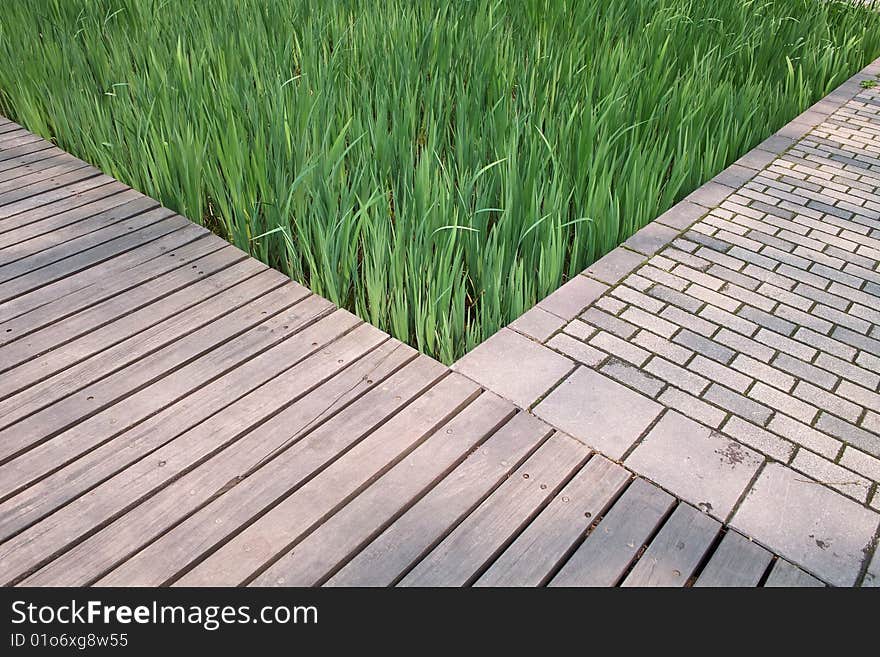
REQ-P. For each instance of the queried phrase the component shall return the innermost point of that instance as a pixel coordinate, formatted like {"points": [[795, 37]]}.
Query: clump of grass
{"points": [[435, 167]]}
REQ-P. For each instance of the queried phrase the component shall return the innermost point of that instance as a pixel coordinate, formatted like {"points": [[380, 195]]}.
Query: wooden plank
{"points": [[546, 543], [427, 522], [274, 531], [737, 562], [51, 197], [677, 550], [161, 247], [42, 160], [234, 447], [12, 157], [472, 545], [16, 138], [603, 558], [146, 477], [27, 158], [116, 317], [61, 165], [95, 256], [49, 185], [121, 221], [303, 439], [46, 451], [36, 236], [342, 535], [221, 295], [787, 575], [60, 309]]}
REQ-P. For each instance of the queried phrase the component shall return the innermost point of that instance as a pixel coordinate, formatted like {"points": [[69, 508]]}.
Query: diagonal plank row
{"points": [[173, 412]]}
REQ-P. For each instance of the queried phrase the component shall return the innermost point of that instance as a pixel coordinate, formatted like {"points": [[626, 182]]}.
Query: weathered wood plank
{"points": [[787, 575], [424, 525], [57, 310], [274, 532], [27, 158], [121, 221], [52, 184], [39, 174], [118, 414], [16, 138], [610, 548], [330, 545], [313, 390], [83, 260], [73, 223], [304, 439], [737, 562], [536, 553], [115, 318], [12, 157], [677, 550], [472, 545], [42, 160], [39, 202], [239, 285]]}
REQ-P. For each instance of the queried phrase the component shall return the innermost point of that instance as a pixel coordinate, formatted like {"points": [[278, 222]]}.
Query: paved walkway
{"points": [[173, 412], [730, 351]]}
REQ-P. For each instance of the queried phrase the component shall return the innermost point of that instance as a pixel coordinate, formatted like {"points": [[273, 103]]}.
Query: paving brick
{"points": [[689, 321], [722, 374], [856, 340], [738, 404], [861, 463], [805, 435], [610, 323], [681, 215], [577, 350], [632, 377], [699, 465], [714, 298], [676, 298], [748, 346], [868, 441], [804, 319], [598, 411], [710, 194], [620, 348], [785, 345], [637, 298], [651, 238], [767, 320], [655, 273], [832, 475], [806, 371], [537, 323], [649, 321], [824, 343], [609, 304], [859, 395], [614, 266], [731, 321], [758, 438], [663, 347], [678, 376], [827, 401], [498, 365], [705, 346], [763, 372], [570, 300], [784, 403], [692, 407], [807, 523]]}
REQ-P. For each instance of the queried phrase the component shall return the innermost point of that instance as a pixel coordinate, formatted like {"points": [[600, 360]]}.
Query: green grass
{"points": [[436, 167]]}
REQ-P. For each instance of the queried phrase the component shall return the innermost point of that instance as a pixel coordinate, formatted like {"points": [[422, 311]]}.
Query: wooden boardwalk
{"points": [[173, 412]]}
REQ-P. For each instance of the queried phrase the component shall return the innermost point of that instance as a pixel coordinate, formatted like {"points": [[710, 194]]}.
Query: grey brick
{"points": [[632, 377], [663, 347], [827, 401], [804, 319], [569, 300], [620, 348], [576, 349], [803, 370], [738, 404], [758, 438], [614, 266], [664, 277], [767, 320], [846, 481], [820, 296], [692, 407], [610, 323], [538, 324], [731, 321], [649, 321], [675, 297], [844, 319], [651, 238], [724, 375], [805, 435], [705, 346], [785, 345], [637, 299], [849, 371], [609, 304], [861, 463], [745, 345], [859, 395], [580, 330], [783, 402], [763, 372], [714, 298], [677, 376], [857, 340]]}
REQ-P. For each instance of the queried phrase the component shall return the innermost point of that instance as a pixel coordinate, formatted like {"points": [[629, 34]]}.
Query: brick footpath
{"points": [[730, 350]]}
